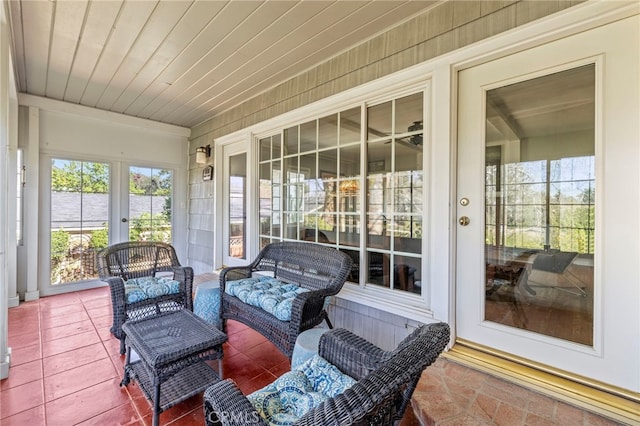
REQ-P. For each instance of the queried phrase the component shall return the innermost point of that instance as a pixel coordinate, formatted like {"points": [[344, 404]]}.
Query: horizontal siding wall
{"points": [[448, 26], [201, 222], [381, 328]]}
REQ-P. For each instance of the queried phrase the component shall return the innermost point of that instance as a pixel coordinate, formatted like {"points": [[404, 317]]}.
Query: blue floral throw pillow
{"points": [[325, 377]]}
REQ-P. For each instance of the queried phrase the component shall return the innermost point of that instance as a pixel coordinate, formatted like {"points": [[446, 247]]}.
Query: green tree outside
{"points": [[80, 176]]}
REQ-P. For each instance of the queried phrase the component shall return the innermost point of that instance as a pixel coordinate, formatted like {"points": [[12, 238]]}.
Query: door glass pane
{"points": [[237, 205], [540, 204], [79, 218], [150, 204]]}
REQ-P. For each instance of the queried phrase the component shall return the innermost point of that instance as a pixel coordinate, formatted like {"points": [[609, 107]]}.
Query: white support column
{"points": [[31, 209], [12, 181]]}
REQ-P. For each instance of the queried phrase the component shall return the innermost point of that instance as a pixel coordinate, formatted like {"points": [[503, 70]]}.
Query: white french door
{"points": [[96, 203], [78, 221], [542, 273], [146, 211], [235, 204]]}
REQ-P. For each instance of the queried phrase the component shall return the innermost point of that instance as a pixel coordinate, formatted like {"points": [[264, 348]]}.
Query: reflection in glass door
{"points": [[79, 218], [540, 204], [237, 206], [150, 193]]}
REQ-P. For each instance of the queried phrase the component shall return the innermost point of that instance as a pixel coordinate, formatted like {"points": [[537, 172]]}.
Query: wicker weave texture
{"points": [[172, 348], [380, 397], [322, 270], [135, 259]]}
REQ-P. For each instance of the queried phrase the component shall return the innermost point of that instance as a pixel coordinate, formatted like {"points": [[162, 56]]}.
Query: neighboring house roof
{"points": [[91, 211]]}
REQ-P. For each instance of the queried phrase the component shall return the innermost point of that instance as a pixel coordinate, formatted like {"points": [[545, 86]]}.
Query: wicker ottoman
{"points": [[172, 348]]}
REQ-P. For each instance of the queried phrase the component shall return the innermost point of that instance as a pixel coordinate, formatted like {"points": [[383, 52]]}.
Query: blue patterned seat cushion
{"points": [[139, 289], [294, 393], [206, 303], [268, 293]]}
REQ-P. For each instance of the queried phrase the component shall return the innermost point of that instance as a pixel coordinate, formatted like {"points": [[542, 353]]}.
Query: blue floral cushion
{"points": [[282, 310], [268, 293], [294, 393], [285, 400], [138, 289], [133, 293], [325, 377]]}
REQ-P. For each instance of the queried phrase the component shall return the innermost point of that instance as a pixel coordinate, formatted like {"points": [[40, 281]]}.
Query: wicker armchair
{"points": [[321, 270], [121, 262], [386, 381]]}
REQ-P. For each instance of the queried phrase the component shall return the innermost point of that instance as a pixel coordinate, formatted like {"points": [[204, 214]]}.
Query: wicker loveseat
{"points": [[384, 384], [145, 278], [311, 271]]}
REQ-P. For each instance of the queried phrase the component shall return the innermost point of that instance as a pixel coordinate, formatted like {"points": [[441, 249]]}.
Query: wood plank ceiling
{"points": [[180, 61]]}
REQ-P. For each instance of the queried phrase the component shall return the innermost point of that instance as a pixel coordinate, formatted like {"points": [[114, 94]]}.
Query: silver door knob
{"points": [[463, 221]]}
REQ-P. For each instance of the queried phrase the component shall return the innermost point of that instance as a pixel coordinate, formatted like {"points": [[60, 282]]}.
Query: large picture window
{"points": [[353, 180]]}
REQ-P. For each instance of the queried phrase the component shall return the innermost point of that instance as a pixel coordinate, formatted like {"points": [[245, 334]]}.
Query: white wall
{"points": [[8, 143]]}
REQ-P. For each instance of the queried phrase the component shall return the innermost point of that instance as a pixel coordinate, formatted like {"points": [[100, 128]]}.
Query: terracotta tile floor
{"points": [[66, 370]]}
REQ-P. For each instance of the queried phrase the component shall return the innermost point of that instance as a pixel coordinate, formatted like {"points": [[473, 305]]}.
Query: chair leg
{"points": [[326, 318]]}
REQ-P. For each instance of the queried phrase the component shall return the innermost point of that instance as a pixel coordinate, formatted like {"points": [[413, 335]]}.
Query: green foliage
{"points": [[99, 238], [320, 222], [79, 176], [152, 182], [59, 245], [166, 209], [149, 227]]}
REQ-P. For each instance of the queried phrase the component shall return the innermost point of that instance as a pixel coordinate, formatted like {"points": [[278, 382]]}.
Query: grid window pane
{"points": [[350, 126], [328, 131], [291, 140], [408, 114], [379, 119], [308, 136]]}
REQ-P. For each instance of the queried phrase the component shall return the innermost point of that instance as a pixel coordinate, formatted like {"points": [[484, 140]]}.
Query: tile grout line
{"points": [[44, 404], [118, 374]]}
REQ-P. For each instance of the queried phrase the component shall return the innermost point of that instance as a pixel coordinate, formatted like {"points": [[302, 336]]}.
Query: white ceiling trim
{"points": [[97, 114]]}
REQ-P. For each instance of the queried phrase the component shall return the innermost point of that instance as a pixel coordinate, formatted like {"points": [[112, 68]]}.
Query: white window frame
{"points": [[409, 305]]}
